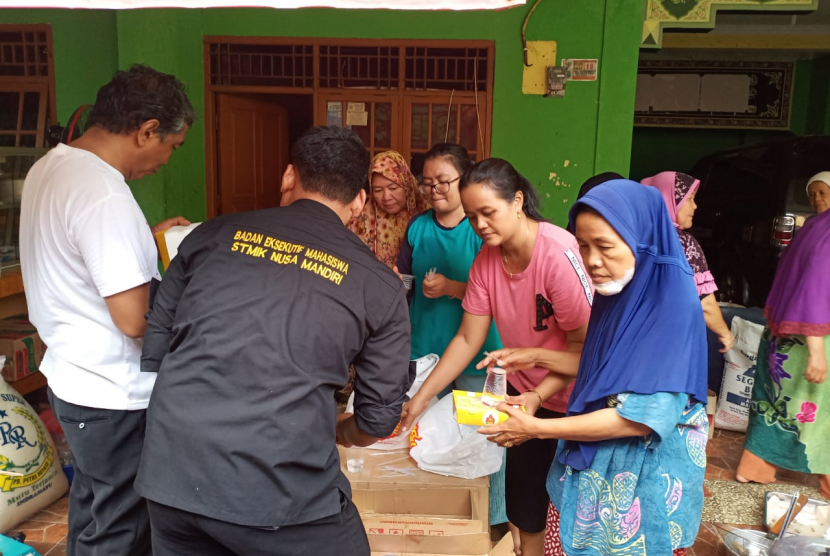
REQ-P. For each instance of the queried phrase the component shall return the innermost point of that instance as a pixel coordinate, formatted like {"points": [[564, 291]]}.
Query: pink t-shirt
{"points": [[535, 307]]}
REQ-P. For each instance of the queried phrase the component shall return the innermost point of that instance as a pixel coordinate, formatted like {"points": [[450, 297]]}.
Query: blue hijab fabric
{"points": [[651, 337]]}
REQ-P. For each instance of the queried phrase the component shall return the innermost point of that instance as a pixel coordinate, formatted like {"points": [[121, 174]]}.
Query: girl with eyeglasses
{"points": [[441, 238]]}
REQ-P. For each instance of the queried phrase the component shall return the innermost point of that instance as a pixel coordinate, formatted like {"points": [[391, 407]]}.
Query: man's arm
{"points": [[382, 379], [128, 308]]}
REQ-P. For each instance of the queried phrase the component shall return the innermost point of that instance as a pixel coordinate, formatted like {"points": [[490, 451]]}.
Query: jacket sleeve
{"points": [[382, 374]]}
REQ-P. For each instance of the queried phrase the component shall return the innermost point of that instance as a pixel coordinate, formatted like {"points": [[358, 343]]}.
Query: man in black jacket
{"points": [[252, 331]]}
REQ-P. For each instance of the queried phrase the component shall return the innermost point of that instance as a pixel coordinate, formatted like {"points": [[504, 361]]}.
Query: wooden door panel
{"points": [[253, 152], [382, 131]]}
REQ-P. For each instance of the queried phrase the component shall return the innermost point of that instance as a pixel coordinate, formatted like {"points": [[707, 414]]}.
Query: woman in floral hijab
{"points": [[678, 192], [393, 200]]}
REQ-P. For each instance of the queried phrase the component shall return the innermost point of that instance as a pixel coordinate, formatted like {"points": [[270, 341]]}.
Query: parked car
{"points": [[751, 203]]}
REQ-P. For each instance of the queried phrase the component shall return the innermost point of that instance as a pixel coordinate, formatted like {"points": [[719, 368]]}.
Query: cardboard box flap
{"points": [[448, 503], [473, 543], [503, 548], [397, 469]]}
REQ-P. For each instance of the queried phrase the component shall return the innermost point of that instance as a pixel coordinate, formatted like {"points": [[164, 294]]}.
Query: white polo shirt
{"points": [[83, 237]]}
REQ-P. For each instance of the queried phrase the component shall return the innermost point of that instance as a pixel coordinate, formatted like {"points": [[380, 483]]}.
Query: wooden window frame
{"points": [[401, 132], [47, 80]]}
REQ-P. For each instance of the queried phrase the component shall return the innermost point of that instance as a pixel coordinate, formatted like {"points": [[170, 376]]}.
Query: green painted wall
{"points": [[85, 48], [588, 130], [655, 150]]}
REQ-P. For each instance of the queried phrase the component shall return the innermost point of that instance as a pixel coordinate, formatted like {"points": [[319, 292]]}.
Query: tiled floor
{"points": [[724, 454], [46, 531]]}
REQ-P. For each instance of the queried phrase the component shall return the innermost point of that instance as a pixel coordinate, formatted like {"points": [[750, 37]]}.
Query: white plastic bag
{"points": [[396, 441], [440, 445], [738, 376]]}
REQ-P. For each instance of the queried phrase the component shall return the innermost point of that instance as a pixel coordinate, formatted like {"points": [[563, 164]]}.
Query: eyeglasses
{"points": [[441, 187]]}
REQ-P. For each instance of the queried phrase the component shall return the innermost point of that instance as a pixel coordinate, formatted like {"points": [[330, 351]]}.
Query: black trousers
{"points": [[180, 533], [106, 516], [525, 476]]}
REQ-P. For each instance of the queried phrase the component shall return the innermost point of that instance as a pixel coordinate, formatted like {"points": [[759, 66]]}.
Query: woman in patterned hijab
{"points": [[393, 200], [679, 191]]}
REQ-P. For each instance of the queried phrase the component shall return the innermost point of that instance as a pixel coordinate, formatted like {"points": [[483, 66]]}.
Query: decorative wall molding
{"points": [[700, 14], [347, 4], [712, 94]]}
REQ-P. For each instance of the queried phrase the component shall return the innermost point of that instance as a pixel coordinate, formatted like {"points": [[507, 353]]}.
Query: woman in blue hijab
{"points": [[628, 474]]}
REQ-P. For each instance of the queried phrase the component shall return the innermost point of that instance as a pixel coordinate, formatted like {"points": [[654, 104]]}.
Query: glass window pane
{"points": [[9, 107], [469, 128], [7, 140], [334, 113], [31, 108], [28, 140], [443, 128], [383, 125], [420, 126], [363, 131], [416, 164]]}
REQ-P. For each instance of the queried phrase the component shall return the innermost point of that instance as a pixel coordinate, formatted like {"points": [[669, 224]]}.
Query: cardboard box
{"points": [[23, 348], [470, 410], [419, 534], [391, 483], [408, 511], [503, 548]]}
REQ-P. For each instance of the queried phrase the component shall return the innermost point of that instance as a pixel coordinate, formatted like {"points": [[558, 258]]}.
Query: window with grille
{"points": [[401, 95], [24, 51], [274, 65], [25, 85], [376, 67], [459, 69]]}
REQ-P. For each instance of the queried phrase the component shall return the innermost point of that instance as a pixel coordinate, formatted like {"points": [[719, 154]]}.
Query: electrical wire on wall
{"points": [[449, 114], [478, 116], [524, 31]]}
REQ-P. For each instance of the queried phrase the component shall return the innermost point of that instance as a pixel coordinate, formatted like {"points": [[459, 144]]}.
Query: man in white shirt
{"points": [[88, 256]]}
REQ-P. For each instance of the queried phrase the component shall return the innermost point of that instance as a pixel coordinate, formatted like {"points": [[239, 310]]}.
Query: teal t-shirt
{"points": [[451, 251]]}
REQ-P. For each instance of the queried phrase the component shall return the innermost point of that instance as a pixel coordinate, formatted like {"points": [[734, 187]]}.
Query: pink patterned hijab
{"points": [[381, 231], [676, 188]]}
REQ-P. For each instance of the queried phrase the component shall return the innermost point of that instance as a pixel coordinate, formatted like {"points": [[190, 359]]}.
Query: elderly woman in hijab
{"points": [[393, 200], [789, 415], [678, 191], [628, 474], [593, 182], [818, 191]]}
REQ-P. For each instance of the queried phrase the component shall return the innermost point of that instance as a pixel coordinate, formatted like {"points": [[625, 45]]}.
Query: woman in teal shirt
{"points": [[441, 238]]}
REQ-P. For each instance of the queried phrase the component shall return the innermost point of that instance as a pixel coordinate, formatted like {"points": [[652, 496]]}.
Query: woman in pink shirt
{"points": [[529, 278]]}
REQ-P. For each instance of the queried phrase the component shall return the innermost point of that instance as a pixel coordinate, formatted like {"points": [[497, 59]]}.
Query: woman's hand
{"points": [[816, 369], [510, 359], [412, 409], [728, 340], [437, 287], [396, 271], [519, 428]]}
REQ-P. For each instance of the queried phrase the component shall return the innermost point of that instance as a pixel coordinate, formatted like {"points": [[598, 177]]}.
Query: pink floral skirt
{"points": [[553, 544]]}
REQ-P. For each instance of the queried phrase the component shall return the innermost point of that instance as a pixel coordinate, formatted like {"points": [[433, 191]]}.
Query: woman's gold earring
{"points": [[519, 215]]}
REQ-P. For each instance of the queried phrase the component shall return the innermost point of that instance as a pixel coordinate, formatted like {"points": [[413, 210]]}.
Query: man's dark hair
{"points": [[140, 94], [331, 161]]}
